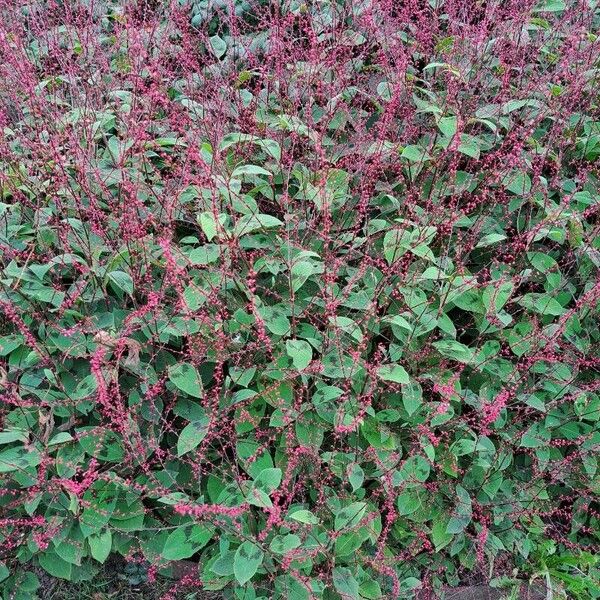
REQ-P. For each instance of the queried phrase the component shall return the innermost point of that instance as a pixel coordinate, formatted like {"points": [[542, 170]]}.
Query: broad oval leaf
{"points": [[186, 377], [192, 434], [246, 561]]}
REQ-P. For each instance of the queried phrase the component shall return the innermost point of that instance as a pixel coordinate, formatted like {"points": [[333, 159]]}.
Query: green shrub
{"points": [[303, 293]]}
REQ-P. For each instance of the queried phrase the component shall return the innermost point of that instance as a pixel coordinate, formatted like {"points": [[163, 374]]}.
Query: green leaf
{"points": [[277, 324], [251, 223], [300, 352], [347, 543], [185, 541], [218, 45], [395, 243], [394, 373], [194, 297], [204, 255], [302, 270], [100, 501], [455, 350], [409, 584], [13, 435], [248, 558], [448, 126], [490, 239], [252, 170], [371, 590], [19, 458], [9, 343], [551, 6], [439, 534], [433, 273], [187, 379], [242, 395], [177, 546], [462, 513], [347, 325], [345, 584], [192, 434], [384, 89], [410, 501], [102, 443], [56, 566], [60, 438], [289, 588], [445, 44], [414, 471], [517, 182], [350, 516], [494, 296], [271, 147], [71, 548], [537, 435], [513, 105], [268, 479], [223, 566], [541, 261], [414, 153], [469, 146], [100, 545], [122, 281], [85, 388], [356, 476], [455, 525], [210, 226], [412, 397], [258, 497], [304, 516], [282, 544], [398, 321], [542, 303]]}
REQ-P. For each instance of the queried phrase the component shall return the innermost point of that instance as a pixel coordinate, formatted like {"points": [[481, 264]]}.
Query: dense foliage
{"points": [[303, 292]]}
